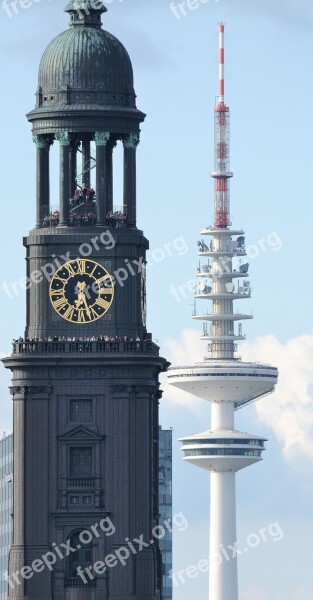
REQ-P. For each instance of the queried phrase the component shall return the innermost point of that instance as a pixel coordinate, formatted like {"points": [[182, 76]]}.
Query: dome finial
{"points": [[85, 12]]}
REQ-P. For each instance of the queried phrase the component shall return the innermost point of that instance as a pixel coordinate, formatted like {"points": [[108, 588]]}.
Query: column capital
{"points": [[102, 138], [122, 389], [63, 137], [41, 141], [132, 141], [17, 390], [43, 390]]}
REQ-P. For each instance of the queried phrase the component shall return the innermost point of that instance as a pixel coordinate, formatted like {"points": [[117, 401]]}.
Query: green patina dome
{"points": [[85, 64]]}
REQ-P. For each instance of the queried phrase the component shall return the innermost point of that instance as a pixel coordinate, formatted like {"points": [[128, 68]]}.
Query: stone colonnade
{"points": [[69, 145]]}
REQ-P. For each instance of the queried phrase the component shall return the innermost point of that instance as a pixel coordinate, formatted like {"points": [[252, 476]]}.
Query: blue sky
{"points": [[269, 87]]}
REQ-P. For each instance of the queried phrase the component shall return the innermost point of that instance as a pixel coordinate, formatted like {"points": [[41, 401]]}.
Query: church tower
{"points": [[85, 375]]}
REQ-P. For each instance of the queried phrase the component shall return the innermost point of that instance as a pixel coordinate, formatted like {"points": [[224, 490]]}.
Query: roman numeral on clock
{"points": [[60, 303], [81, 316], [104, 290], [81, 266], [94, 314], [104, 279], [70, 269], [69, 313], [56, 294], [103, 303]]}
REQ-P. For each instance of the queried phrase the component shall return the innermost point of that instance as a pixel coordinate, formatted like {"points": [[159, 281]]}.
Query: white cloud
{"points": [[185, 351], [254, 593], [303, 593], [289, 411]]}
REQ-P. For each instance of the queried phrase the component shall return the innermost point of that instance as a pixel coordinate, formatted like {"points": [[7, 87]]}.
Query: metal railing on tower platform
{"points": [[87, 347]]}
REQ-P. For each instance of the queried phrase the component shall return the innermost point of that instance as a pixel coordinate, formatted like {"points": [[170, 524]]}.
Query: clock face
{"points": [[81, 291]]}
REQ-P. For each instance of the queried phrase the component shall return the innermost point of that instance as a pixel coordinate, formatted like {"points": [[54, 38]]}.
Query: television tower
{"points": [[222, 378]]}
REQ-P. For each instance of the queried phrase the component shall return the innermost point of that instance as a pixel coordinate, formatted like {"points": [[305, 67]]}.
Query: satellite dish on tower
{"points": [[244, 268], [230, 287], [204, 288]]}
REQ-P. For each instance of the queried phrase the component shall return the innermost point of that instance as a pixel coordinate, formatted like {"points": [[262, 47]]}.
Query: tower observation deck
{"points": [[222, 378]]}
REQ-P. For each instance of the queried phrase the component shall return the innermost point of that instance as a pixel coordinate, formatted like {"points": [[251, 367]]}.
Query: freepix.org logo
{"points": [[14, 7], [120, 555]]}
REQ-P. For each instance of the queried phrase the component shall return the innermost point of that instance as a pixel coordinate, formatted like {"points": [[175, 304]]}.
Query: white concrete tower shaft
{"points": [[223, 581]]}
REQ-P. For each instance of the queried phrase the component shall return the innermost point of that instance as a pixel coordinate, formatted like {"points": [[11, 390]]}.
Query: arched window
{"points": [[83, 557]]}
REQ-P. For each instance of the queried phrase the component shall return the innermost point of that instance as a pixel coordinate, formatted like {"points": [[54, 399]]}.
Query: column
{"points": [[42, 179], [65, 192], [109, 158], [86, 163], [101, 140], [73, 166], [130, 146], [17, 552], [223, 565], [38, 486]]}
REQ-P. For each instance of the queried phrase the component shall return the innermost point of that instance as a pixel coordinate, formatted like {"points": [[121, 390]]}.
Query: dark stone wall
{"points": [[122, 431]]}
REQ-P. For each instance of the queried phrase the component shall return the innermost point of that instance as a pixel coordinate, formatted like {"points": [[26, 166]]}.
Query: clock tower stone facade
{"points": [[85, 375]]}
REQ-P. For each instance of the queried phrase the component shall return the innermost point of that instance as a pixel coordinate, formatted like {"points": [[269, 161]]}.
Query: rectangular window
{"points": [[86, 499], [81, 462], [74, 407], [81, 411], [88, 408]]}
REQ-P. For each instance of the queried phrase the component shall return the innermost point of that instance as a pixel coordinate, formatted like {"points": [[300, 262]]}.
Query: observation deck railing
{"points": [[86, 347]]}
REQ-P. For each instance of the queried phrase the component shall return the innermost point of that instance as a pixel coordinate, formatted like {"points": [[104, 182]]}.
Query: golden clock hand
{"points": [[79, 300], [82, 299]]}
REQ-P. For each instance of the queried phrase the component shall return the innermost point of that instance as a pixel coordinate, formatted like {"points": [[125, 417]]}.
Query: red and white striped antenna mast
{"points": [[221, 173], [221, 62]]}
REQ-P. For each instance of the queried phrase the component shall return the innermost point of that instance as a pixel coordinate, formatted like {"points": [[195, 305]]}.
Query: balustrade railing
{"points": [[91, 347]]}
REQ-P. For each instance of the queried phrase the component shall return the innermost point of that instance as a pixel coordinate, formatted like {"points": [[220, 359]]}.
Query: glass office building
{"points": [[6, 508], [165, 505]]}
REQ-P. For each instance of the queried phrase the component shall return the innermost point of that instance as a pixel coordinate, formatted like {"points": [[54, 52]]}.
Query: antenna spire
{"points": [[221, 172], [221, 63]]}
